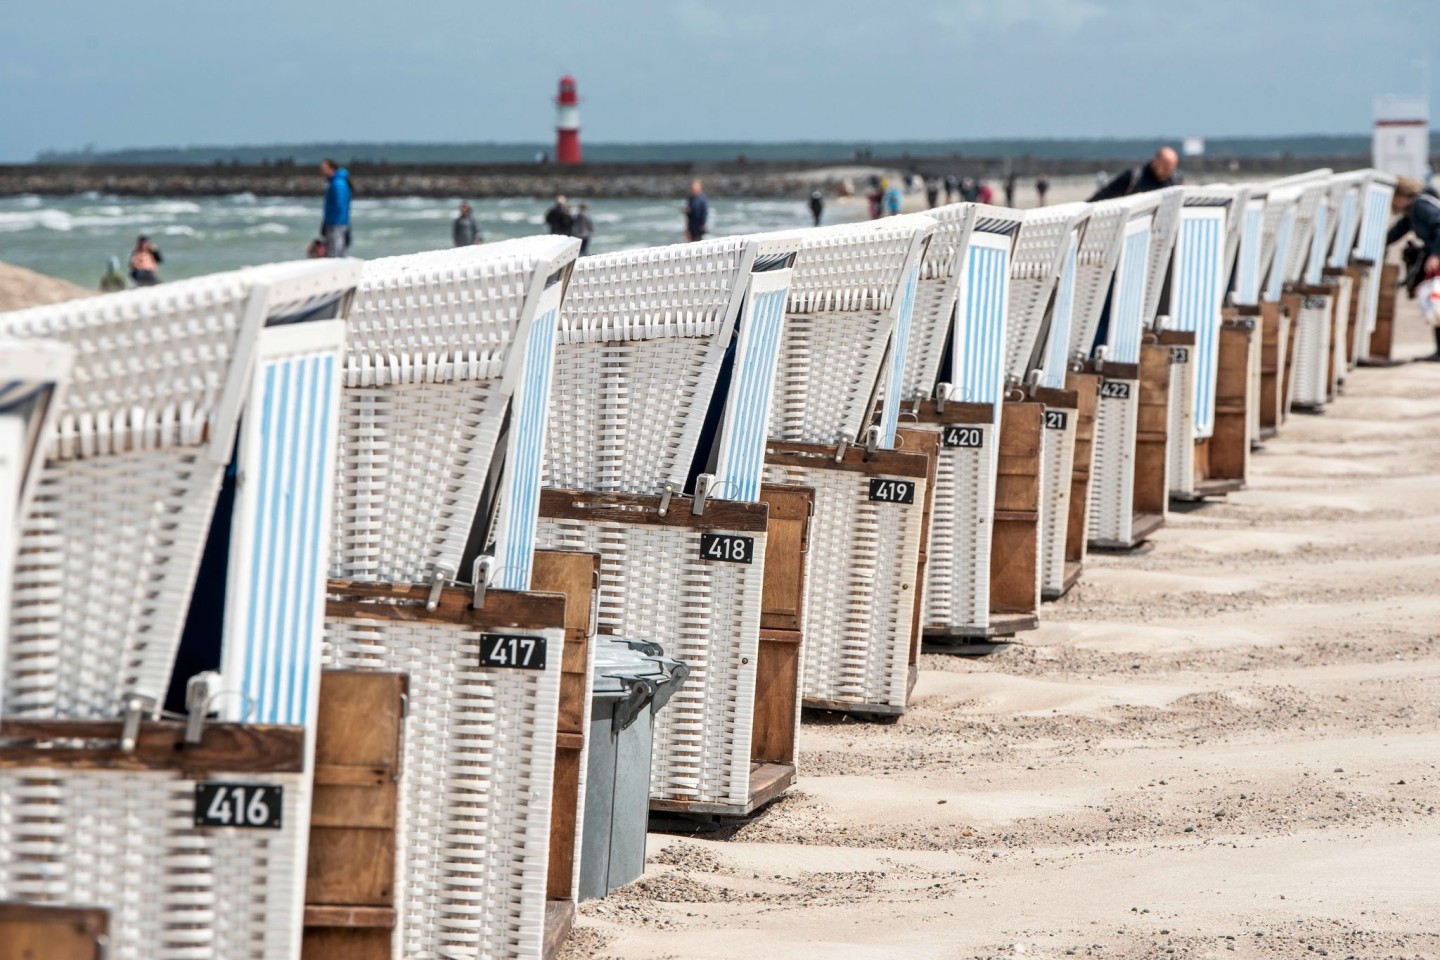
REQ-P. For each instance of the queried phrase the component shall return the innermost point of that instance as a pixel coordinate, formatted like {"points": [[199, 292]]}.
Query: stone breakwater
{"points": [[616, 181]]}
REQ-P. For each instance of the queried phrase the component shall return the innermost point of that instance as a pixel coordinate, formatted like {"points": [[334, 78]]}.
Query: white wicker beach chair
{"points": [[203, 854], [642, 344], [442, 347], [1370, 250], [132, 473], [1162, 245], [33, 377], [852, 300], [1112, 517], [1198, 279]]}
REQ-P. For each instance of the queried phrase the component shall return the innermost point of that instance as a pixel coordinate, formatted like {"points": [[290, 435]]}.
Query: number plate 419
{"points": [[892, 491]]}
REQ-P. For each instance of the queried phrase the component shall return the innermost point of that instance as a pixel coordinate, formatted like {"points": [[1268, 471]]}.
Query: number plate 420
{"points": [[512, 651], [251, 805], [967, 438]]}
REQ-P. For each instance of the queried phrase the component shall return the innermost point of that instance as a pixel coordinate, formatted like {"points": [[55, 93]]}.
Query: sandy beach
{"points": [[1228, 747]]}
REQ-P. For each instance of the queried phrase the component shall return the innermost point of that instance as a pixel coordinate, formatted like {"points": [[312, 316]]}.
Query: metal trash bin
{"points": [[633, 681]]}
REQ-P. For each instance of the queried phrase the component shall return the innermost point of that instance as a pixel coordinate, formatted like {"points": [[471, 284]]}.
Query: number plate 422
{"points": [[1115, 390], [251, 805]]}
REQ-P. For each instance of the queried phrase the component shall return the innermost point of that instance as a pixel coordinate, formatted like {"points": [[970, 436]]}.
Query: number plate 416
{"points": [[252, 805]]}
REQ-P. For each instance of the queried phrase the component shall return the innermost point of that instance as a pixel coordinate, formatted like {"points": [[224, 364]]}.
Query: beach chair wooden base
{"points": [[1001, 626], [1015, 542], [1074, 570], [1274, 322], [767, 782], [1058, 466], [1087, 391], [1222, 460], [1382, 338], [41, 932], [559, 919]]}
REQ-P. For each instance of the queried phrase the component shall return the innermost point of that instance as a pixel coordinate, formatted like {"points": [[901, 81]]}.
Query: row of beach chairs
{"points": [[307, 563]]}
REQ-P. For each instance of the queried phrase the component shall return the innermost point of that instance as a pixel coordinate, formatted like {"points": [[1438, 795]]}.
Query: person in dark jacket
{"points": [[558, 218], [817, 206], [335, 225], [145, 263], [464, 231], [582, 227], [1042, 187], [697, 213], [1158, 174], [1010, 189], [1419, 210]]}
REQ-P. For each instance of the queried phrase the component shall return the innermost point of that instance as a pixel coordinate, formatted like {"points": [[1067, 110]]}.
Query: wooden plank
{"points": [[380, 918], [926, 442], [45, 932], [577, 577], [881, 463], [1087, 392], [1152, 452], [406, 602], [372, 806], [1271, 358], [350, 867], [767, 781], [1382, 338], [929, 411], [359, 722], [777, 696], [787, 541], [160, 745], [1014, 544], [559, 918], [346, 943], [727, 515], [1229, 447]]}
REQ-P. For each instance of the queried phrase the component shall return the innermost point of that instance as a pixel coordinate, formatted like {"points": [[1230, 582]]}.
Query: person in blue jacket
{"points": [[335, 228]]}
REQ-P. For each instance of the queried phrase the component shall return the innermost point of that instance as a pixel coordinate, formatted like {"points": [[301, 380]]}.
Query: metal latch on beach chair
{"points": [[134, 707], [480, 576], [665, 494], [200, 691], [440, 576], [703, 483]]}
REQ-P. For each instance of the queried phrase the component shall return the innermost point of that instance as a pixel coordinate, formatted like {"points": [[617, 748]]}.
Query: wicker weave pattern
{"points": [[1371, 246], [1319, 243], [476, 790], [1182, 426], [1112, 478], [1312, 358], [935, 294], [1284, 240], [1057, 345], [1095, 265], [127, 841], [957, 589], [1345, 228], [859, 589], [853, 267], [1127, 320], [1040, 249], [1162, 243], [1057, 454], [1196, 286], [1307, 224], [654, 586]]}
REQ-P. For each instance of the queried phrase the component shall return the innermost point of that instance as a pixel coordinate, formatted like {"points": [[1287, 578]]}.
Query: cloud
{"points": [[966, 18]]}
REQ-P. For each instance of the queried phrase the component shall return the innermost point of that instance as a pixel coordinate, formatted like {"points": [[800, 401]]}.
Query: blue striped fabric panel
{"points": [[1315, 271], [978, 371], [899, 348], [279, 616], [741, 460], [1247, 285], [1340, 253], [1127, 322], [1276, 284], [1195, 293], [1371, 245], [1057, 359], [515, 541]]}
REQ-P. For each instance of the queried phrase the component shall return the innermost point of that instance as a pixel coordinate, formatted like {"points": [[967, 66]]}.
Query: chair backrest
{"points": [[1197, 290], [643, 341], [1056, 358], [1127, 312], [1162, 245], [1346, 193], [935, 294], [1248, 270], [1041, 247], [1374, 217], [1276, 233], [123, 506], [438, 345], [1096, 257], [848, 310], [1309, 218]]}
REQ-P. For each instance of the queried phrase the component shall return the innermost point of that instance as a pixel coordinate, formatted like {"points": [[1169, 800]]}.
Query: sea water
{"points": [[72, 237]]}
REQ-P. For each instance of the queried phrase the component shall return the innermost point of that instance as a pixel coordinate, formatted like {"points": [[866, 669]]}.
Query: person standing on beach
{"points": [[464, 232], [113, 279], [1158, 174], [952, 187], [1419, 210], [335, 225], [1042, 187], [983, 193], [1010, 189], [817, 206], [145, 263], [893, 200], [697, 213], [582, 227], [558, 218], [932, 192]]}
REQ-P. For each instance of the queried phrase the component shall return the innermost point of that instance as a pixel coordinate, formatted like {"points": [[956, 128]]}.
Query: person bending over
{"points": [[1158, 174]]}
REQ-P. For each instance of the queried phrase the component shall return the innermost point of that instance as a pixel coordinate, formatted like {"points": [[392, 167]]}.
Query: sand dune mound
{"points": [[26, 288]]}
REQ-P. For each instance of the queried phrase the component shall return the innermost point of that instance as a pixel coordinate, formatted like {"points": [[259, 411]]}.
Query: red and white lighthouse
{"points": [[567, 123]]}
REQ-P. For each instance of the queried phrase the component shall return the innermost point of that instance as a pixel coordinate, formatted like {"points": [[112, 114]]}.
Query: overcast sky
{"points": [[175, 72]]}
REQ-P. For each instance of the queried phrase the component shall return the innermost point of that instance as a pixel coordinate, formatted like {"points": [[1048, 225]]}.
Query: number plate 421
{"points": [[251, 805]]}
